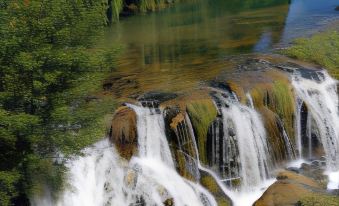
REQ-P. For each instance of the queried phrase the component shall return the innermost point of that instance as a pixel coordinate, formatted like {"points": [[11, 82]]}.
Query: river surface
{"points": [[178, 47]]}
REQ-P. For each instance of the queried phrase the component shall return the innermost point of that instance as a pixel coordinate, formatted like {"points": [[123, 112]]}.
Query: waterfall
{"points": [[151, 135], [319, 93], [101, 177], [288, 145], [245, 135], [252, 144], [97, 178], [297, 124]]}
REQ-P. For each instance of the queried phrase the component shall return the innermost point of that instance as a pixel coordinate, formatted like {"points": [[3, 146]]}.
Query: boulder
{"points": [[124, 131], [289, 189]]}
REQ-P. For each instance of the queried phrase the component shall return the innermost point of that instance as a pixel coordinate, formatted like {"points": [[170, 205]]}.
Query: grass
{"points": [[322, 49]]}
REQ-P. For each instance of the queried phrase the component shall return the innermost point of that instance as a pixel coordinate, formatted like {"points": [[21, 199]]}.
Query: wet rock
{"points": [[158, 97], [293, 169], [124, 131], [181, 142], [169, 202], [289, 189], [131, 178], [254, 64], [316, 172], [220, 85], [212, 186], [337, 8], [170, 113]]}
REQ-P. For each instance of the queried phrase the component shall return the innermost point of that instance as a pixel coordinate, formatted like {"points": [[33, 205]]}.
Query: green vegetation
{"points": [[202, 113], [276, 104], [322, 49], [319, 200], [116, 7], [49, 75], [212, 186]]}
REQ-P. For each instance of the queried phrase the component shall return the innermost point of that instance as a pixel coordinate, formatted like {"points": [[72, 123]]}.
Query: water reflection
{"points": [[306, 16], [183, 45]]}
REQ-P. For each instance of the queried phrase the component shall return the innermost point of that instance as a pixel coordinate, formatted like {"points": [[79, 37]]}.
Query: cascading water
{"points": [[239, 153], [244, 156], [321, 99], [243, 127], [101, 177]]}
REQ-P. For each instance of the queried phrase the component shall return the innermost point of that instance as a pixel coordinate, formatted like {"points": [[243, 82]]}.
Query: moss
{"points": [[238, 90], [181, 165], [282, 102], [276, 101], [325, 44], [274, 136], [211, 185], [259, 94], [319, 200], [202, 113]]}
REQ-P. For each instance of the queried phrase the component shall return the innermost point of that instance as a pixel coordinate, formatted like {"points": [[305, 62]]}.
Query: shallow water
{"points": [[178, 47]]}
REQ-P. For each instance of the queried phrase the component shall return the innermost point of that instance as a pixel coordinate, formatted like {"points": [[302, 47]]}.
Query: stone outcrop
{"points": [[124, 131], [292, 189]]}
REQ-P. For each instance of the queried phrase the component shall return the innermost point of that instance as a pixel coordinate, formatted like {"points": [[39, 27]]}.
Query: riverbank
{"points": [[322, 48]]}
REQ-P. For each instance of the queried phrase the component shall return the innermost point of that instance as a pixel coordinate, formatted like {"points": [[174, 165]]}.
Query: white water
{"points": [[297, 124], [151, 135], [100, 177], [333, 180], [252, 144], [321, 99]]}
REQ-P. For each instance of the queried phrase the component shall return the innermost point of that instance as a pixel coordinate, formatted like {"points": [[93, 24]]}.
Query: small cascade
{"points": [[309, 134], [152, 140], [319, 94], [297, 124], [246, 148], [288, 145], [250, 100]]}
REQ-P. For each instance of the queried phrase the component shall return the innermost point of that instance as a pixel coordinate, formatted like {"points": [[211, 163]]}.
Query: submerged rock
{"points": [[157, 97], [124, 131]]}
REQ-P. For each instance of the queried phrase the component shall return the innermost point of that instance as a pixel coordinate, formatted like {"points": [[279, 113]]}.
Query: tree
{"points": [[46, 48]]}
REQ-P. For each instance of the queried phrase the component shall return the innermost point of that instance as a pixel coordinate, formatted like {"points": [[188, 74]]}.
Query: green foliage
{"points": [[8, 180], [322, 48], [49, 75]]}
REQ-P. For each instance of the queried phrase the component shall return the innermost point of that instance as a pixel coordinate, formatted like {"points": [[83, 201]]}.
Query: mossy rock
{"points": [[319, 200], [289, 189], [182, 168], [238, 90], [212, 186], [275, 138], [124, 131], [169, 202], [202, 113]]}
